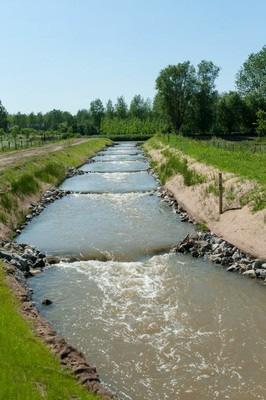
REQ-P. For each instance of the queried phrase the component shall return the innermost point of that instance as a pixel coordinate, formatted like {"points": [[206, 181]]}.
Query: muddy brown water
{"points": [[157, 325]]}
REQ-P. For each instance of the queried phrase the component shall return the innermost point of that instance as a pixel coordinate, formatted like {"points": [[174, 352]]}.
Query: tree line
{"points": [[186, 102]]}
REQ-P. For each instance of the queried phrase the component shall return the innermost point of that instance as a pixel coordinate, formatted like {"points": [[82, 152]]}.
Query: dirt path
{"points": [[14, 157]]}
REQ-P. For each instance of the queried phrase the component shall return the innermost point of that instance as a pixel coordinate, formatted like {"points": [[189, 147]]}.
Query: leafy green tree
{"points": [[3, 117], [15, 131], [83, 122], [175, 86], [109, 110], [204, 109], [251, 78], [230, 112], [261, 123], [62, 127], [32, 123], [139, 108], [20, 120], [251, 105], [39, 122], [2, 135], [97, 113], [52, 119], [121, 109], [27, 132]]}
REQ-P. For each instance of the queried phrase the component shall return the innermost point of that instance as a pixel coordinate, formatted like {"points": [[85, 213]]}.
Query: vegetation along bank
{"points": [[189, 170]]}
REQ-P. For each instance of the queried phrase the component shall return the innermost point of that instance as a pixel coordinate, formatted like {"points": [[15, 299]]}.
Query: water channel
{"points": [[157, 325]]}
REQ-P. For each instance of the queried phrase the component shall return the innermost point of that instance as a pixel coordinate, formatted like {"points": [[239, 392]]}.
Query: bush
{"points": [[25, 184], [174, 165]]}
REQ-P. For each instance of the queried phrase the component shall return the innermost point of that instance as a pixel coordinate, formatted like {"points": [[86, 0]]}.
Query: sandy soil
{"points": [[13, 157], [237, 225]]}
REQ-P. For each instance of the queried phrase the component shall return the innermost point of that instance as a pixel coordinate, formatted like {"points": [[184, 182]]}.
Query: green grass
{"points": [[25, 184], [174, 164], [257, 197], [244, 163], [29, 176], [201, 227], [28, 371], [213, 189]]}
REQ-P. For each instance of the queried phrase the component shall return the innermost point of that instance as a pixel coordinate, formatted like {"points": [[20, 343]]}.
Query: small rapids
{"points": [[162, 328], [119, 157], [118, 182], [115, 166], [124, 227]]}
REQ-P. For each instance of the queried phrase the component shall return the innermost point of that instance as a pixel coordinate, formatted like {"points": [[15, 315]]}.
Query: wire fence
{"points": [[8, 143], [245, 146]]}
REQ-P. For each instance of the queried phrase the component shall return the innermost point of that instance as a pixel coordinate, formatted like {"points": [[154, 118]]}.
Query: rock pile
{"points": [[217, 250], [74, 172], [171, 201], [23, 257]]}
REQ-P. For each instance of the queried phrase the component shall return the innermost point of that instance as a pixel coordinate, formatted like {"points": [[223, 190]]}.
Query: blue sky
{"points": [[64, 53]]}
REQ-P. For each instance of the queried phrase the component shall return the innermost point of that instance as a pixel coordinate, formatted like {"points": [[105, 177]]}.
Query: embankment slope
{"points": [[239, 224]]}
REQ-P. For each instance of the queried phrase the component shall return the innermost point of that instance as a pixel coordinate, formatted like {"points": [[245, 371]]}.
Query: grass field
{"points": [[28, 371], [28, 176], [243, 163]]}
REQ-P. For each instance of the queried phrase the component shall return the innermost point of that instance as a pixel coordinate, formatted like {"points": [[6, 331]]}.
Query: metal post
{"points": [[220, 193]]}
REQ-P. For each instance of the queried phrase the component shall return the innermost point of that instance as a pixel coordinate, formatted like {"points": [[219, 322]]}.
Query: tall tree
{"points": [[176, 85], [205, 96], [97, 113], [109, 110], [40, 123], [3, 117], [139, 108], [251, 78], [251, 84], [32, 121], [230, 112], [53, 118], [121, 109], [20, 120], [261, 123]]}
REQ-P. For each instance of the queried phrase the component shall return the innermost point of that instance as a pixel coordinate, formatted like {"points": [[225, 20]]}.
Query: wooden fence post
{"points": [[220, 193]]}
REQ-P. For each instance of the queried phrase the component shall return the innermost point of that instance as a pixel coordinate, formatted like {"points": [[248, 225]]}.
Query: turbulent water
{"points": [[121, 227], [115, 166], [166, 328], [110, 182], [157, 325]]}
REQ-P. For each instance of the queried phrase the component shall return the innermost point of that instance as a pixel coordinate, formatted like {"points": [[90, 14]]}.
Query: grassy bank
{"points": [[28, 370], [244, 163], [24, 181], [174, 164]]}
